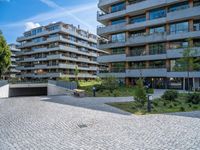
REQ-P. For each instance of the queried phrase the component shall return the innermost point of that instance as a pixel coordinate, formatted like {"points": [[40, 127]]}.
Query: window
{"points": [[118, 37], [197, 42], [138, 33], [118, 67], [137, 51], [157, 64], [179, 6], [196, 25], [157, 30], [158, 48], [120, 50], [51, 28], [137, 65], [179, 27], [196, 3], [158, 13], [118, 7], [122, 20], [178, 44], [138, 19]]}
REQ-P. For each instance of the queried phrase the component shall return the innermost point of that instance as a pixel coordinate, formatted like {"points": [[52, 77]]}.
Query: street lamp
{"points": [[149, 99]]}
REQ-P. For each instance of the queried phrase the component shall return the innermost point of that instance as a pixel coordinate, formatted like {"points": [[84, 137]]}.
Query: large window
{"points": [[157, 30], [141, 18], [196, 2], [137, 33], [196, 25], [179, 27], [120, 50], [138, 65], [178, 44], [179, 6], [158, 13], [118, 7], [118, 37], [122, 20], [118, 67], [158, 48], [137, 51], [157, 64]]}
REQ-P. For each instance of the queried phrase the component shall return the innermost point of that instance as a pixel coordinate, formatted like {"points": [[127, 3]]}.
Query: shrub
{"points": [[170, 95], [164, 104], [140, 93], [116, 93], [193, 98], [182, 109], [150, 90], [110, 83], [155, 103]]}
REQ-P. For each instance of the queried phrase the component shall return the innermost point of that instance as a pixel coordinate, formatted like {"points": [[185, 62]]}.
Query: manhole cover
{"points": [[82, 125]]}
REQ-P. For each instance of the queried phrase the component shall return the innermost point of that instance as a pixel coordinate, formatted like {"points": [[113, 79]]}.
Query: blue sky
{"points": [[17, 16]]}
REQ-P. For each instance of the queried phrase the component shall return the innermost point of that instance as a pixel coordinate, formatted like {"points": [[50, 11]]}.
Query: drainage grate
{"points": [[82, 126]]}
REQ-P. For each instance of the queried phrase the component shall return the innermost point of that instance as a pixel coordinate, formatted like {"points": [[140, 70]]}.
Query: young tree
{"points": [[76, 72], [110, 83], [189, 62], [5, 55], [140, 93]]}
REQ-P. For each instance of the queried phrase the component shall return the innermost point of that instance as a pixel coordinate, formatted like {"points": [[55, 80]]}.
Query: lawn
{"points": [[120, 91], [160, 105]]}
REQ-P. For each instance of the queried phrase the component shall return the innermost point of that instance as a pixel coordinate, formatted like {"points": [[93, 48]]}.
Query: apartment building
{"points": [[55, 50], [12, 71], [145, 38]]}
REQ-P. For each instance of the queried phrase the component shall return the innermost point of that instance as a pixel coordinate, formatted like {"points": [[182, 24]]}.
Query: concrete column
{"points": [[167, 28], [127, 35], [147, 15], [191, 25], [167, 45], [168, 65], [109, 9], [127, 19], [191, 3], [193, 79], [147, 30], [127, 80], [127, 65], [184, 84], [127, 51], [110, 66], [147, 49]]}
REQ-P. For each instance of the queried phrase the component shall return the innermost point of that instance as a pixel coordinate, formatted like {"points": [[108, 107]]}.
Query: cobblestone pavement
{"points": [[88, 124]]}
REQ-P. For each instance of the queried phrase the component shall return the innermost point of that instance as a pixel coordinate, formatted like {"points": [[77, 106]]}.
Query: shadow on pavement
{"points": [[97, 104], [193, 114]]}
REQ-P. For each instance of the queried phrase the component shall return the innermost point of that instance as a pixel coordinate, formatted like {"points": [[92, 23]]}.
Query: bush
{"points": [[170, 95], [140, 93], [193, 98], [116, 93], [182, 109], [150, 90], [110, 83]]}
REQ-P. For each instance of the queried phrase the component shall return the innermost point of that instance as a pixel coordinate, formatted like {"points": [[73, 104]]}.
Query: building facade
{"points": [[12, 71], [55, 50], [146, 38]]}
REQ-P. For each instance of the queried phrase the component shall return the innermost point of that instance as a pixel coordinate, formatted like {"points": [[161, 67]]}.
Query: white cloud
{"points": [[31, 25]]}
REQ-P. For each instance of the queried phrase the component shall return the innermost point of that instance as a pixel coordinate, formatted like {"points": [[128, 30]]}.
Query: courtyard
{"points": [[64, 122]]}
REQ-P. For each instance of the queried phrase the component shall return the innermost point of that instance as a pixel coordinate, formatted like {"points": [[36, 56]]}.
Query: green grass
{"points": [[121, 91], [159, 106]]}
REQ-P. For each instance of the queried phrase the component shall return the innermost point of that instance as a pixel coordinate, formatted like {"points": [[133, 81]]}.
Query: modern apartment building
{"points": [[147, 37], [12, 71], [55, 50]]}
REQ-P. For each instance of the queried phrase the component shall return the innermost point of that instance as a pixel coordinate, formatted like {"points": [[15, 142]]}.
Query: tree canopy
{"points": [[5, 55]]}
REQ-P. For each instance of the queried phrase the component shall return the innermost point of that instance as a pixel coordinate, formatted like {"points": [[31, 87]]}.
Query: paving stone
{"points": [[63, 122]]}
